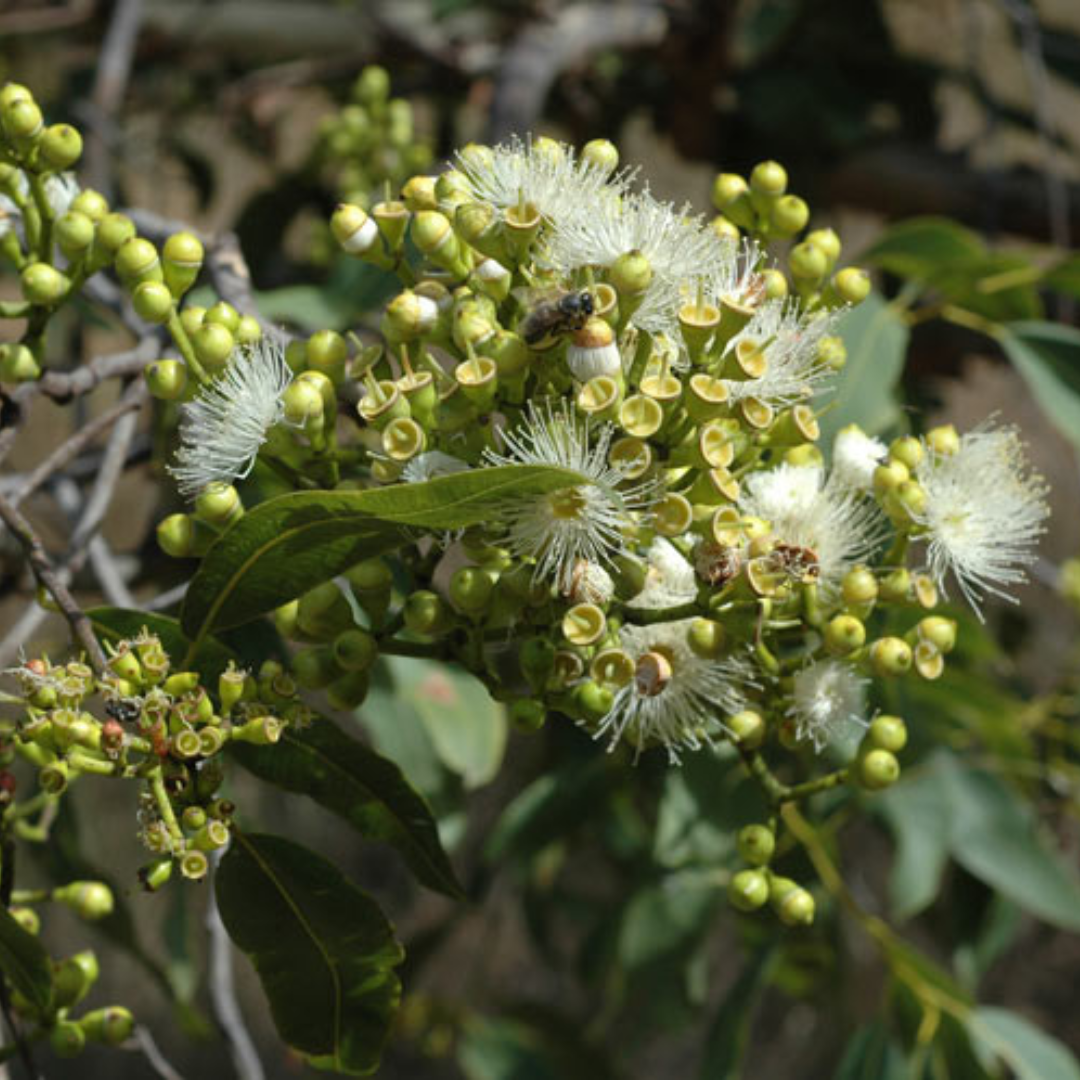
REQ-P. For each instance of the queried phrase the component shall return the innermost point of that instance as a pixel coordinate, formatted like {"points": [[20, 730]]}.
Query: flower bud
{"points": [[74, 977], [877, 769], [91, 203], [327, 352], [844, 634], [89, 900], [434, 236], [731, 195], [248, 331], [852, 284], [471, 590], [372, 86], [890, 476], [166, 379], [938, 631], [155, 875], [193, 818], [756, 844], [890, 656], [324, 612], [218, 504], [896, 586], [153, 302], [303, 404], [314, 668], [706, 638], [67, 1039], [22, 121], [138, 260], [795, 907], [391, 219], [943, 440], [61, 146], [44, 285], [601, 155], [355, 650], [827, 242], [74, 233], [887, 733], [788, 216], [631, 274], [537, 661], [349, 691], [808, 263], [747, 727], [17, 364], [748, 890], [859, 586], [527, 715], [12, 92], [176, 536], [356, 232], [768, 178], [181, 260], [418, 193], [111, 1026]]}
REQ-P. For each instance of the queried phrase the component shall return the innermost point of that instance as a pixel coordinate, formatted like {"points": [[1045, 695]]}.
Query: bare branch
{"points": [[143, 1041]]}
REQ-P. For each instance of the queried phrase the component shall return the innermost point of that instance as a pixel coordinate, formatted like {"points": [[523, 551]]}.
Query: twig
{"points": [[63, 386], [167, 598], [144, 1042], [47, 574], [223, 996]]}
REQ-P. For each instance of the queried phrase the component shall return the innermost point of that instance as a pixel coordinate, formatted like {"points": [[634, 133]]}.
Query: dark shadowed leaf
{"points": [[730, 1029], [24, 962]]}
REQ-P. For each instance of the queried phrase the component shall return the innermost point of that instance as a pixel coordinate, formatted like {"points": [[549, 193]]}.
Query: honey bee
{"points": [[560, 314]]}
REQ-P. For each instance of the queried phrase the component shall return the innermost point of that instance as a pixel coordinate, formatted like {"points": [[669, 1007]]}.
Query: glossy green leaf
{"points": [[997, 285], [323, 950], [368, 791], [287, 545], [920, 248], [467, 727], [730, 1029], [1047, 355], [876, 341], [24, 962], [1031, 1054]]}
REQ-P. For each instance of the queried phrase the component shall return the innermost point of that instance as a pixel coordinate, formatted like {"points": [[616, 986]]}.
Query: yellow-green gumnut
{"points": [[756, 844], [748, 890], [877, 769]]}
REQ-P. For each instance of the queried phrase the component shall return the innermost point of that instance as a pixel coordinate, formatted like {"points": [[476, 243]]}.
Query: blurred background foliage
{"points": [[940, 138]]}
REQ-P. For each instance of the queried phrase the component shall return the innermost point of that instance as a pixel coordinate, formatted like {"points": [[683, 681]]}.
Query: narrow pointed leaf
{"points": [[287, 545], [362, 787], [323, 950], [1030, 1054], [24, 962]]}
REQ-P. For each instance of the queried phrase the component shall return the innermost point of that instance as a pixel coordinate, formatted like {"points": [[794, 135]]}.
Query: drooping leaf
{"points": [[1031, 1054], [922, 248], [729, 1031], [354, 782], [24, 962], [323, 950], [466, 726], [1047, 355], [287, 545], [876, 341]]}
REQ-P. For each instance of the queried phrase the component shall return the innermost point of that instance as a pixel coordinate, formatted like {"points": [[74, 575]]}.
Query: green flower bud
{"points": [[852, 284], [905, 503], [372, 86], [731, 194], [113, 232], [601, 154], [756, 844], [828, 243], [391, 219], [218, 504], [74, 233], [434, 236], [61, 146], [349, 691], [88, 899], [890, 656], [877, 769], [153, 302], [788, 216], [887, 733], [223, 314], [111, 1026], [631, 274], [182, 259], [193, 818], [44, 285], [12, 92], [176, 536], [418, 194], [27, 918], [593, 701], [890, 476], [706, 638], [896, 586], [748, 890], [844, 634], [859, 586], [138, 260], [248, 331], [156, 874], [527, 715], [315, 668], [303, 404], [91, 203], [74, 977], [939, 631], [796, 908], [326, 352], [22, 121], [67, 1039], [355, 230], [17, 364], [943, 440], [832, 352], [355, 650], [213, 345], [324, 612], [427, 613], [166, 380], [747, 727], [768, 178], [470, 590], [808, 263]]}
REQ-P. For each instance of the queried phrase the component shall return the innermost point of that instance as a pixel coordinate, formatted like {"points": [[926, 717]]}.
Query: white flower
{"points": [[855, 456], [790, 340], [582, 521], [836, 524], [669, 579], [985, 510], [8, 214], [682, 250], [590, 360], [60, 190], [676, 698], [828, 699], [431, 464], [222, 429], [553, 180]]}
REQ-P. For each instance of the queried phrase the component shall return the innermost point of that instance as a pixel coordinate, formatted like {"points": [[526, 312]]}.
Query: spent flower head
{"points": [[222, 429]]}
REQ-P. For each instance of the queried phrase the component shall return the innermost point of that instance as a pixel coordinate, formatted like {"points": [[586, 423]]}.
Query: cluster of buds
{"points": [[716, 577], [159, 727]]}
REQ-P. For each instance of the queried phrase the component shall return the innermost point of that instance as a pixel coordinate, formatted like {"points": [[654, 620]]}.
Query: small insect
{"points": [[126, 710], [561, 314]]}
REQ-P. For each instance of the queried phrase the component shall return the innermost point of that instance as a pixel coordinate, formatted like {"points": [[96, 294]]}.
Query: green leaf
{"points": [[114, 624], [1047, 355], [1031, 1054], [532, 1046], [665, 919], [730, 1030], [876, 341], [368, 791], [920, 248], [871, 1054], [287, 545], [24, 962], [324, 951], [1065, 277]]}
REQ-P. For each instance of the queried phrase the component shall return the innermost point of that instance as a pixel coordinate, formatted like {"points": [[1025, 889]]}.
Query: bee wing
{"points": [[531, 296]]}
